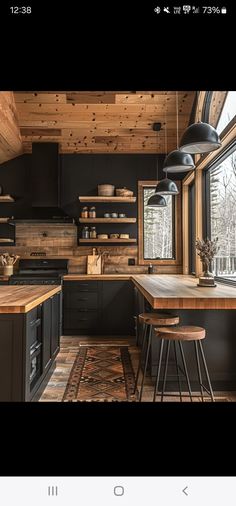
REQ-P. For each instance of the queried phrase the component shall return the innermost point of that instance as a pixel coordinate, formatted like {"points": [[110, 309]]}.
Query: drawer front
{"points": [[81, 286], [81, 300], [81, 320]]}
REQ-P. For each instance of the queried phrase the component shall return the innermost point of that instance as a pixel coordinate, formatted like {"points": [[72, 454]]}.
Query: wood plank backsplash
{"points": [[61, 240]]}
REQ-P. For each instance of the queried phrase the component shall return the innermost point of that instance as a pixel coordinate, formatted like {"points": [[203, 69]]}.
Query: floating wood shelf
{"points": [[125, 200], [107, 240], [6, 240], [4, 220], [6, 198], [107, 220]]}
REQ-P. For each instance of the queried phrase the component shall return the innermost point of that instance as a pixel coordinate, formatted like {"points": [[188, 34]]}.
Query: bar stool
{"points": [[178, 335], [149, 320]]}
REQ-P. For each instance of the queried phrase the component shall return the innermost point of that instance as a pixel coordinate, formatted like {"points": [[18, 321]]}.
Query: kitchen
{"points": [[98, 268]]}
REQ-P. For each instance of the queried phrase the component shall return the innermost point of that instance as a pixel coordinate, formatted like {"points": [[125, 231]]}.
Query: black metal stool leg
{"points": [[185, 370], [146, 362], [198, 368], [206, 371], [144, 335], [166, 367], [177, 370], [158, 370]]}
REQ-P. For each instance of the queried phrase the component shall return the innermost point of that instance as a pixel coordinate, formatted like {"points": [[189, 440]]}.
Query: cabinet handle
{"points": [[35, 323]]}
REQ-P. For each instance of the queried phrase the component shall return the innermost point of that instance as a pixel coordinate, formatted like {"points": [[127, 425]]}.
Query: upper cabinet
{"points": [[45, 175]]}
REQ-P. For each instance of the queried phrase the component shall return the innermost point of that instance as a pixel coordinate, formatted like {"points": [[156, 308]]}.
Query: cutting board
{"points": [[94, 263]]}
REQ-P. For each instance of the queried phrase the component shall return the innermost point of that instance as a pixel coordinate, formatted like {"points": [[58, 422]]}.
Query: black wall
{"points": [[79, 175]]}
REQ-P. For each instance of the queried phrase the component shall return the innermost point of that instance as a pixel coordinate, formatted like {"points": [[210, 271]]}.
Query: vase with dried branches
{"points": [[206, 250]]}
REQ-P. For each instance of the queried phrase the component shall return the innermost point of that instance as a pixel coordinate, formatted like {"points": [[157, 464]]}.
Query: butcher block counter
{"points": [[96, 277], [181, 292], [21, 299]]}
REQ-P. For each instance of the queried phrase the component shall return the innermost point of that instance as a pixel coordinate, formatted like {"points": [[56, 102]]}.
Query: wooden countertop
{"points": [[21, 299], [181, 292], [96, 277]]}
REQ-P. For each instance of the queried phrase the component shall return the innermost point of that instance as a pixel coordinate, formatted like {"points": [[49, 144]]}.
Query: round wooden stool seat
{"points": [[158, 319], [181, 333]]}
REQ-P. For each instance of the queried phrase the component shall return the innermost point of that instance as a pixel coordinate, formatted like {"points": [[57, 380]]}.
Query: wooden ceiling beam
{"points": [[10, 138]]}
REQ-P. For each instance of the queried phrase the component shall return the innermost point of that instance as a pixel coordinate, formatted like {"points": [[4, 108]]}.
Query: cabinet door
{"points": [[55, 328], [117, 308], [82, 307], [46, 324]]}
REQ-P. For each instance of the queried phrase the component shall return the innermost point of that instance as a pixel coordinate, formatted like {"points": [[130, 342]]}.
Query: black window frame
{"points": [[192, 228]]}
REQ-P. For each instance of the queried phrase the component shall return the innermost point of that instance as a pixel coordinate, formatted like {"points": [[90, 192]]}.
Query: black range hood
{"points": [[45, 176]]}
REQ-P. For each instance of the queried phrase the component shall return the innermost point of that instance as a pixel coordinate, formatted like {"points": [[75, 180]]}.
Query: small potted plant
{"points": [[206, 250]]}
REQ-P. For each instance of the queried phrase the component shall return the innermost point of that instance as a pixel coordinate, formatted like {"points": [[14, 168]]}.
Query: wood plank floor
{"points": [[55, 388]]}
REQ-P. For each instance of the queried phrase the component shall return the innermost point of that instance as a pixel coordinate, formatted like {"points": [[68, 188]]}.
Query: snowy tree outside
{"points": [[228, 111], [223, 215], [157, 228]]}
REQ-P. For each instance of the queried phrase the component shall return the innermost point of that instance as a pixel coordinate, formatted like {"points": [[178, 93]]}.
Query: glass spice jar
{"points": [[84, 212], [93, 233], [85, 233], [92, 212]]}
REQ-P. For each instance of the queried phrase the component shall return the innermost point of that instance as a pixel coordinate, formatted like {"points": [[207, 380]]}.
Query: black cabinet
{"points": [[82, 307], [98, 307], [28, 346], [55, 326], [51, 325], [117, 307], [46, 330]]}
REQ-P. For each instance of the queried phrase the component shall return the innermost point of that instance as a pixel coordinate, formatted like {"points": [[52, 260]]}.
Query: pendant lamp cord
{"points": [[166, 136], [177, 121]]}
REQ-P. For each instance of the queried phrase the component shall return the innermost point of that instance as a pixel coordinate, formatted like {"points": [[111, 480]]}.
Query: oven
{"points": [[40, 272]]}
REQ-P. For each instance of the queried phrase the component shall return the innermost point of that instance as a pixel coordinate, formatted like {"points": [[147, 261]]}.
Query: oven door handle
{"points": [[35, 323], [35, 349]]}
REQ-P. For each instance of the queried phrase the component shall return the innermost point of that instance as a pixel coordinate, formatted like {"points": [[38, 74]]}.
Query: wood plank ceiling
{"points": [[102, 122], [10, 138]]}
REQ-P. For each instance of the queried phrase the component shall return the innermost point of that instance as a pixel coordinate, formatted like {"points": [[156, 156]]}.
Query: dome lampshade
{"points": [[156, 201], [200, 138], [166, 187], [178, 161]]}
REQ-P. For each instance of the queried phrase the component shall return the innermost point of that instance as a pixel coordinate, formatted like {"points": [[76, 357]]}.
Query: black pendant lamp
{"points": [[156, 200], [178, 161], [200, 138], [166, 186]]}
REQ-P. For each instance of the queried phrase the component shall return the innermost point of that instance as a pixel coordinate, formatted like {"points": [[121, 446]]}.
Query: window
{"points": [[157, 228], [221, 194], [228, 111]]}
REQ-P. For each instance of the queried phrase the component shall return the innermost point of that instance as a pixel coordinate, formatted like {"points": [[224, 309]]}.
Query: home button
{"points": [[119, 490]]}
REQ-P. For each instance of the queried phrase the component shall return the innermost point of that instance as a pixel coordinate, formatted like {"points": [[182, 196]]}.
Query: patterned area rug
{"points": [[101, 373]]}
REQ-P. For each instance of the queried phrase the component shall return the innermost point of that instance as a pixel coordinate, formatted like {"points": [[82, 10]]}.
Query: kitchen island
{"points": [[30, 329], [211, 308], [181, 292]]}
